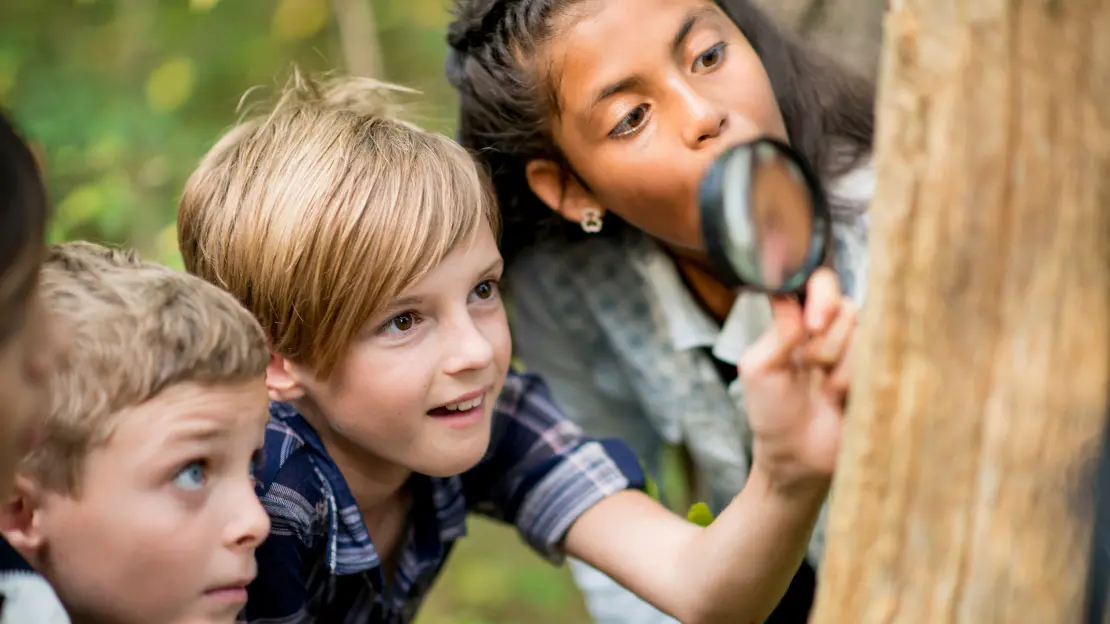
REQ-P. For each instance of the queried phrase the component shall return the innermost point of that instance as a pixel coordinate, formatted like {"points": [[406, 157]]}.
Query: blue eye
{"points": [[192, 477]]}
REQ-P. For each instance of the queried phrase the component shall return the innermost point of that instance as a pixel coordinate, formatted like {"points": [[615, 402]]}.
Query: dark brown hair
{"points": [[504, 109], [23, 212]]}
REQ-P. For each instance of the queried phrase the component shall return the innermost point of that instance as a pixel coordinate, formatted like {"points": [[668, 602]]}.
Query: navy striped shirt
{"points": [[319, 562]]}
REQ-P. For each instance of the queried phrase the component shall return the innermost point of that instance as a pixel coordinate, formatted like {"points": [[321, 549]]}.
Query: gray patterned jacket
{"points": [[610, 326]]}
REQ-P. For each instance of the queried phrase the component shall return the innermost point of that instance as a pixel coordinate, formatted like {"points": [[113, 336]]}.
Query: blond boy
{"points": [[366, 249], [138, 506]]}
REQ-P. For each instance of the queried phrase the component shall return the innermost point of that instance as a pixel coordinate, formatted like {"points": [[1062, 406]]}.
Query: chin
{"points": [[455, 460]]}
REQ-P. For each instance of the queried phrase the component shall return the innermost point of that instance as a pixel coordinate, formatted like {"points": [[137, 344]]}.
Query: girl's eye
{"points": [[401, 323], [711, 57], [192, 477], [631, 122], [485, 290]]}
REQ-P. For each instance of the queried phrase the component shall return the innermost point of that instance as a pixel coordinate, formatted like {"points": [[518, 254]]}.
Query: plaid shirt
{"points": [[319, 562]]}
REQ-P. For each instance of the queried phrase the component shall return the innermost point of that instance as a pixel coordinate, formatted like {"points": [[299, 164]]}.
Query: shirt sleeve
{"points": [[279, 592], [541, 472]]}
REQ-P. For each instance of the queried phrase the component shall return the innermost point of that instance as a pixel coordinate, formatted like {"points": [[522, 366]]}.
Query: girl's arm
{"points": [[736, 570]]}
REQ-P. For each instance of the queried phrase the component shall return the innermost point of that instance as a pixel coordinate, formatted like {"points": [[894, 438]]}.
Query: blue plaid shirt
{"points": [[319, 562]]}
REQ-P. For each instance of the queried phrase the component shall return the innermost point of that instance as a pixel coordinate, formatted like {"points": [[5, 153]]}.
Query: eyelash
{"points": [[617, 132], [197, 463], [257, 458], [390, 326]]}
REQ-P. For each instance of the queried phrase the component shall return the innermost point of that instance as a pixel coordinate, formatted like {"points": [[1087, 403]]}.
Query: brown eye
{"points": [[711, 57], [484, 290], [631, 122], [402, 322]]}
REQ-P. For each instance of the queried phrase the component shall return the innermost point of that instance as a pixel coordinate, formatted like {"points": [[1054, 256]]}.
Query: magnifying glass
{"points": [[764, 218]]}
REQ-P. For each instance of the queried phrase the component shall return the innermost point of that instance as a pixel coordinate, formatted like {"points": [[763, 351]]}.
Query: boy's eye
{"points": [[631, 122], [401, 323], [192, 477], [711, 57], [485, 290]]}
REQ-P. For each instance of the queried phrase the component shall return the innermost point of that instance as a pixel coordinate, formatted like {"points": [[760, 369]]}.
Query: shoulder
{"points": [[526, 395], [24, 595], [288, 480]]}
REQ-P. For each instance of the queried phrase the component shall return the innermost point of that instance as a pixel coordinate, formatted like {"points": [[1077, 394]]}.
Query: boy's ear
{"points": [[562, 193], [281, 383], [20, 518]]}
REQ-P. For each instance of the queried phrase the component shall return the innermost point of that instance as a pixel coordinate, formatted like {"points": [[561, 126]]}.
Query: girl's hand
{"points": [[796, 379]]}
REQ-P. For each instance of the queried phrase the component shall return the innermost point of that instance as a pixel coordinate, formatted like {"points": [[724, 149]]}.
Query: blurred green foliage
{"points": [[122, 97]]}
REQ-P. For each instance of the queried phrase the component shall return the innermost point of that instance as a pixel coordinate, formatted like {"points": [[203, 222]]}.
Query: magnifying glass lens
{"points": [[763, 217]]}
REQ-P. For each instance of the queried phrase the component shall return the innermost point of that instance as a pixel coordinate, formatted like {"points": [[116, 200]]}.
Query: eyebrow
{"points": [[413, 301], [207, 432], [494, 266], [630, 83]]}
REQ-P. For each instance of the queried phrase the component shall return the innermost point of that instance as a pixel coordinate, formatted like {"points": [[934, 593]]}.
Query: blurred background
{"points": [[121, 98]]}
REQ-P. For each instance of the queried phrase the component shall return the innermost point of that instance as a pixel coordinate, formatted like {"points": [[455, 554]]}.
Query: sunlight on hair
{"points": [[317, 211]]}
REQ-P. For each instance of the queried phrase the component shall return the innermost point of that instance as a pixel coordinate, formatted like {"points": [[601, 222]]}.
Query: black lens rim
{"points": [[714, 227]]}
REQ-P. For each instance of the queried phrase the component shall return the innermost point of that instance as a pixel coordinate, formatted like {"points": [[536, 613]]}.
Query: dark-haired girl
{"points": [[28, 350], [597, 119]]}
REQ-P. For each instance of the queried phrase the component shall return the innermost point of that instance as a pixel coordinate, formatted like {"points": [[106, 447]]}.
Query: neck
{"points": [[709, 292], [378, 485]]}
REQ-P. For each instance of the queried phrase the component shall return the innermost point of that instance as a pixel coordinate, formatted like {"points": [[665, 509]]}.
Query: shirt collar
{"points": [[435, 516], [688, 325]]}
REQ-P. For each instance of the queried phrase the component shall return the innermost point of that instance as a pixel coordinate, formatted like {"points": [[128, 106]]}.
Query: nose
{"points": [[249, 523], [706, 120], [468, 348]]}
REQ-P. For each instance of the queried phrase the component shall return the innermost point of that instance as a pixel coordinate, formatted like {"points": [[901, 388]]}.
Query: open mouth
{"points": [[468, 407]]}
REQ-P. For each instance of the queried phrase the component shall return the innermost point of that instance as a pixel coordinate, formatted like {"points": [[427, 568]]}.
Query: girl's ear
{"points": [[562, 193]]}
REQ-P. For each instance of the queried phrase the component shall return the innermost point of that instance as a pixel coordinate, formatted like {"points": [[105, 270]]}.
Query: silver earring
{"points": [[591, 220]]}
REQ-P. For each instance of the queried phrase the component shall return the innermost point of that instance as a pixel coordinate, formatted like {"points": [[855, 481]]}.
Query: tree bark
{"points": [[962, 493], [358, 36]]}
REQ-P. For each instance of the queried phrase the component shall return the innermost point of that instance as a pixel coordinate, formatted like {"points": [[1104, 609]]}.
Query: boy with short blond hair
{"points": [[138, 506], [366, 247]]}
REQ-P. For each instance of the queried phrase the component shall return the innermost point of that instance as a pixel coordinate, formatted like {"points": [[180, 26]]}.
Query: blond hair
{"points": [[137, 328], [318, 213]]}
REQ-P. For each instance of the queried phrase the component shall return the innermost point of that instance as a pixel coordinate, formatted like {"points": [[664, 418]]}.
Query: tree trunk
{"points": [[358, 36], [850, 31], [963, 489]]}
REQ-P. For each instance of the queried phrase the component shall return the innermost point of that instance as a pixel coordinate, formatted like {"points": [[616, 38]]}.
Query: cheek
{"points": [[655, 190], [754, 103], [391, 383]]}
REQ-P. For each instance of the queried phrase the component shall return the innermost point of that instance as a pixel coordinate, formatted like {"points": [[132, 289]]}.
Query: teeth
{"points": [[465, 405]]}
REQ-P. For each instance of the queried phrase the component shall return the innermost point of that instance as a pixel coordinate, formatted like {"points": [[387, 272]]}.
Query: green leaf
{"points": [[700, 515], [651, 489]]}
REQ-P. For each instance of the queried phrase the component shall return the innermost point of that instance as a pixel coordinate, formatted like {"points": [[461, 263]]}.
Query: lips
{"points": [[461, 405]]}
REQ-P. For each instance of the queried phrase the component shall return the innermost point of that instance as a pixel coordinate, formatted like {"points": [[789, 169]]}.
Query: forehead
{"points": [[194, 413], [603, 42]]}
